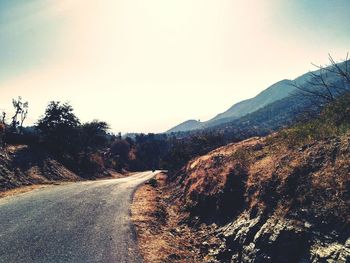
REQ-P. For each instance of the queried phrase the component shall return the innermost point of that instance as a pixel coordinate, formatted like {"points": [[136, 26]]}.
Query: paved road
{"points": [[76, 222]]}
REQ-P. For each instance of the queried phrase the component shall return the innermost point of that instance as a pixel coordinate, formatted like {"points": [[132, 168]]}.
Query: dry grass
{"points": [[20, 190], [115, 175], [161, 235], [144, 210], [314, 177]]}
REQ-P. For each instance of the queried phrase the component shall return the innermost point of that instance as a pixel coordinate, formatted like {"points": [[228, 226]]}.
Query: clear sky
{"points": [[147, 65]]}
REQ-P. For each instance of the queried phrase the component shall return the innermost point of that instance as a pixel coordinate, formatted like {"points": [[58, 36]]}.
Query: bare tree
{"points": [[21, 111], [23, 116], [2, 134], [3, 117], [328, 82]]}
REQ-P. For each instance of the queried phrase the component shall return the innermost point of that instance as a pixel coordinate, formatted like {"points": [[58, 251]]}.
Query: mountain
{"points": [[282, 93], [273, 93], [281, 198], [189, 125], [272, 117], [271, 199]]}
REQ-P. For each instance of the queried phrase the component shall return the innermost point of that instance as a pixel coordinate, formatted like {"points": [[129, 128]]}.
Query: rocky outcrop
{"points": [[274, 239]]}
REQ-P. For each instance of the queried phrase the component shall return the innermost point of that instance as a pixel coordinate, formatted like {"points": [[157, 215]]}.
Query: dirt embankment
{"points": [[161, 232], [23, 166], [255, 201], [274, 203]]}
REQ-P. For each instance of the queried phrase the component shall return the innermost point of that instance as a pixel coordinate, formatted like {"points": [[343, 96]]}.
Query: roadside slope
{"points": [[22, 166], [274, 203]]}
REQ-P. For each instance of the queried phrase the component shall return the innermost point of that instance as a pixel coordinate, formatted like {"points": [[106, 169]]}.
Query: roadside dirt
{"points": [[22, 166], [28, 188], [20, 190], [24, 189], [162, 234], [23, 169]]}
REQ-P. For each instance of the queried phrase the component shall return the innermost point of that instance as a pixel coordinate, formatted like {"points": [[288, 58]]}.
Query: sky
{"points": [[147, 65]]}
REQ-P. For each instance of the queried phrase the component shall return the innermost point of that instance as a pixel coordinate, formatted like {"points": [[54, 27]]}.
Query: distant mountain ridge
{"points": [[272, 108], [273, 93], [277, 91], [186, 126]]}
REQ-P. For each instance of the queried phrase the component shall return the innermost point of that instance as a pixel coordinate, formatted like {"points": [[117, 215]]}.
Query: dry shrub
{"points": [[312, 180]]}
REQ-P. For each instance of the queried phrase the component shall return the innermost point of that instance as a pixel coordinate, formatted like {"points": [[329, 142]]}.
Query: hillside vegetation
{"points": [[280, 198]]}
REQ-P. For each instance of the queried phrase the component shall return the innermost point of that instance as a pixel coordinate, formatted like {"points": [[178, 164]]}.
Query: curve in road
{"points": [[76, 222]]}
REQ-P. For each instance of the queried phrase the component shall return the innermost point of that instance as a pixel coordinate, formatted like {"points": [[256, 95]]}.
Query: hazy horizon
{"points": [[148, 66]]}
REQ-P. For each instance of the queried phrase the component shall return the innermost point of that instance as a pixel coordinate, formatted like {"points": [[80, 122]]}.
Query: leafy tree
{"points": [[120, 148], [334, 120], [58, 128], [119, 152], [94, 134]]}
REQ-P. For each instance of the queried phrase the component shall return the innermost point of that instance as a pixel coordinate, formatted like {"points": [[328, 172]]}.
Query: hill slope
{"points": [[22, 165], [273, 203], [281, 92], [189, 125], [275, 92]]}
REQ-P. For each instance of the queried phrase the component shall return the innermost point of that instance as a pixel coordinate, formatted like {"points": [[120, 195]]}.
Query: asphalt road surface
{"points": [[76, 222]]}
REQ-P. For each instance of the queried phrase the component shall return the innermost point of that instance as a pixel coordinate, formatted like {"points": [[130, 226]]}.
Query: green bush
{"points": [[334, 120], [153, 182]]}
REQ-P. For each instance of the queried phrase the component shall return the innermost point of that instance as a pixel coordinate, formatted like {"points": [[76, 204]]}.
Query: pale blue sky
{"points": [[25, 37], [145, 66]]}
